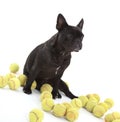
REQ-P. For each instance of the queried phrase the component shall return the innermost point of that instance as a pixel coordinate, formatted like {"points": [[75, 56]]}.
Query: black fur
{"points": [[48, 61]]}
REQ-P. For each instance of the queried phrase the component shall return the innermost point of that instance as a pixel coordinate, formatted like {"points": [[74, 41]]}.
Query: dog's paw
{"points": [[27, 91], [59, 95], [71, 96], [56, 95]]}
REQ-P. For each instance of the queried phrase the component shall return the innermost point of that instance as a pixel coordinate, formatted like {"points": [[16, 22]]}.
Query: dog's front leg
{"points": [[55, 84], [64, 88]]}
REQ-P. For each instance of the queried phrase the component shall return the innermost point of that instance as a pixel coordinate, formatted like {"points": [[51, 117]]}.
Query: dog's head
{"points": [[69, 37]]}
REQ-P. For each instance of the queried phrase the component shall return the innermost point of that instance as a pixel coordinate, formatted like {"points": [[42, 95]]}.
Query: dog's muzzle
{"points": [[77, 48]]}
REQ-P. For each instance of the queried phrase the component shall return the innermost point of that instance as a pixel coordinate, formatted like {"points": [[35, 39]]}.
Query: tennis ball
{"points": [[67, 105], [84, 100], [45, 94], [3, 82], [8, 76], [116, 115], [34, 84], [47, 104], [117, 120], [76, 103], [112, 116], [14, 83], [36, 115], [14, 67], [109, 102], [109, 117], [91, 104], [23, 79], [46, 87], [96, 96], [99, 111], [59, 110], [72, 114], [104, 105]]}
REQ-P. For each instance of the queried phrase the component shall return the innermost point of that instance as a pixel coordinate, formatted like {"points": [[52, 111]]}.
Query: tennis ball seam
{"points": [[35, 115], [49, 105], [77, 105]]}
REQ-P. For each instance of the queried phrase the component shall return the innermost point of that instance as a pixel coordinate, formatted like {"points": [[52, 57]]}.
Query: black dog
{"points": [[48, 61]]}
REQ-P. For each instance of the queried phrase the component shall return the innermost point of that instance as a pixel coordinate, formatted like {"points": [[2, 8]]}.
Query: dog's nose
{"points": [[78, 47]]}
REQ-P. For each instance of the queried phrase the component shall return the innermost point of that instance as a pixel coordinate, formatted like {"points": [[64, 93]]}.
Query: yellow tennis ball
{"points": [[8, 76], [91, 104], [34, 84], [72, 114], [116, 115], [45, 94], [3, 82], [84, 100], [99, 111], [117, 120], [14, 83], [47, 104], [14, 67], [23, 79], [112, 116], [104, 105], [59, 110], [96, 96], [67, 105], [109, 102], [36, 115], [76, 103], [108, 118], [46, 87]]}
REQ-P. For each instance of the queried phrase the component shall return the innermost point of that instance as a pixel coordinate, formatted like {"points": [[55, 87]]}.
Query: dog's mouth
{"points": [[76, 50], [77, 47]]}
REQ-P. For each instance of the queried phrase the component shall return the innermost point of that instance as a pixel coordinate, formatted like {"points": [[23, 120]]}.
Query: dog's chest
{"points": [[54, 69], [57, 70]]}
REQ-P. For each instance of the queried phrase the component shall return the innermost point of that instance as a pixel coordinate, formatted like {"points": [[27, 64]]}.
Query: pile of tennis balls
{"points": [[112, 117], [96, 107], [13, 80], [70, 111], [67, 110], [10, 79]]}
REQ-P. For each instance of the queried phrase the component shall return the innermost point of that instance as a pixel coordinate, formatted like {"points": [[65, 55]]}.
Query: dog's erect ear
{"points": [[61, 22], [80, 25]]}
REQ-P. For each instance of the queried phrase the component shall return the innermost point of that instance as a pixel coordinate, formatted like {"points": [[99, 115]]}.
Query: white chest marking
{"points": [[57, 70]]}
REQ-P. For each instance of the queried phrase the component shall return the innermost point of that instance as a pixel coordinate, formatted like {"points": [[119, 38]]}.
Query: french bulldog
{"points": [[48, 61]]}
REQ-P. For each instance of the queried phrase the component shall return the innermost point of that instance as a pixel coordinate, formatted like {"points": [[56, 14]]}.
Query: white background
{"points": [[95, 69]]}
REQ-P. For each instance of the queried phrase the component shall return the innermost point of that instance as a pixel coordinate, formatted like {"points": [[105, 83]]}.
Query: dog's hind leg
{"points": [[64, 88], [30, 78]]}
